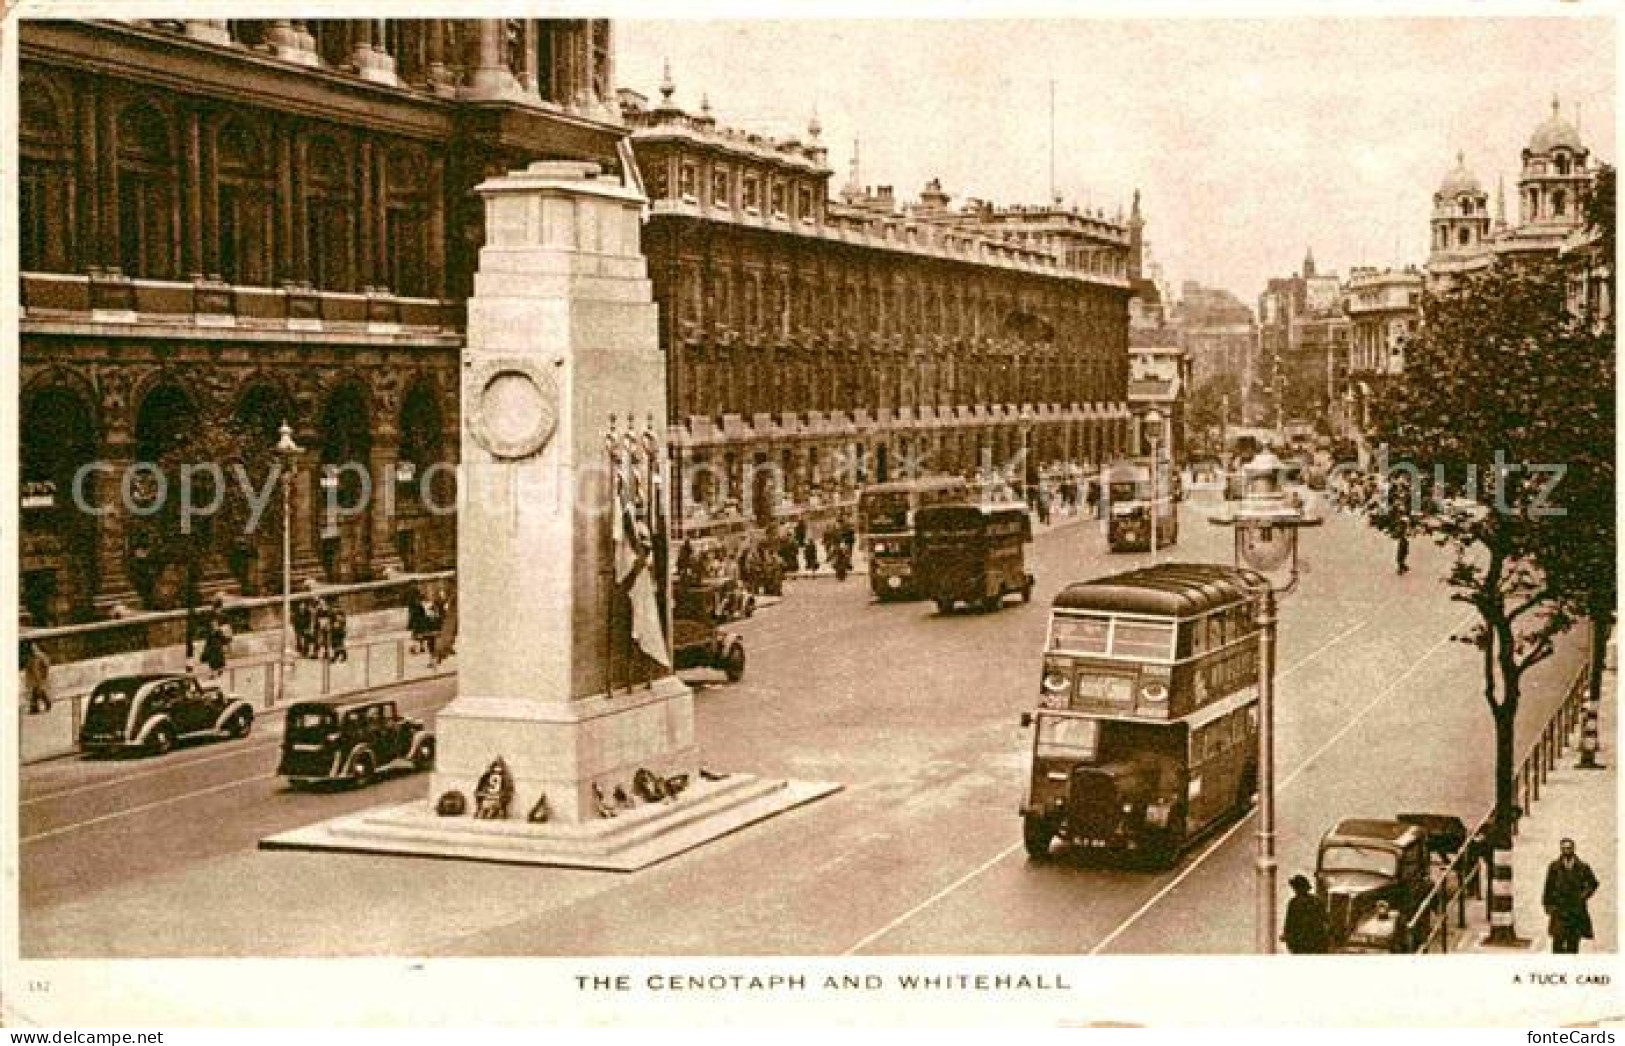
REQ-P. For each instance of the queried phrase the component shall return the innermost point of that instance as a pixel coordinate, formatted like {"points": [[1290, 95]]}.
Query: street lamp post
{"points": [[1153, 422], [287, 452], [1266, 530]]}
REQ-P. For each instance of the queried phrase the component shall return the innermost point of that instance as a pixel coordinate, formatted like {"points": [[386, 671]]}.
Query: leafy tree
{"points": [[1579, 555], [1207, 402], [1486, 396]]}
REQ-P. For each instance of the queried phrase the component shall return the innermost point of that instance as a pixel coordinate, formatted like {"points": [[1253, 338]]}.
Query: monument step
{"points": [[635, 839]]}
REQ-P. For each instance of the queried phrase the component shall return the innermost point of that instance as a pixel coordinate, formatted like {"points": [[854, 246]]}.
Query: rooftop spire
{"points": [[667, 88], [1500, 201], [854, 184]]}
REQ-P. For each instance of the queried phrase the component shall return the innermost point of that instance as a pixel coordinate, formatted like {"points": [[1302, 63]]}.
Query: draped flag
{"points": [[634, 551]]}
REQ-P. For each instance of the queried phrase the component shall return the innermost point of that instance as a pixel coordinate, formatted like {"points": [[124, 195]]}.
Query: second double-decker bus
{"points": [[1131, 502], [972, 554], [886, 514], [1146, 730]]}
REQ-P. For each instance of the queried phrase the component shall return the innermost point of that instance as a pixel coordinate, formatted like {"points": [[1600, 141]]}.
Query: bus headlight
{"points": [[1154, 693], [1056, 681]]}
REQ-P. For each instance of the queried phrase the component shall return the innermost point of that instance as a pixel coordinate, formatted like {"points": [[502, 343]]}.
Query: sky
{"points": [[1249, 141]]}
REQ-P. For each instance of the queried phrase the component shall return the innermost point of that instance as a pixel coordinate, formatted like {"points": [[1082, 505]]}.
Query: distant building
{"points": [[817, 341], [1384, 307], [1303, 345], [1159, 380], [1555, 176]]}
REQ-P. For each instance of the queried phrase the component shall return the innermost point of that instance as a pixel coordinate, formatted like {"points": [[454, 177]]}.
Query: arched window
{"points": [[1562, 164], [420, 440], [407, 219], [1559, 203], [329, 216], [245, 194], [148, 193], [1464, 236], [45, 185]]}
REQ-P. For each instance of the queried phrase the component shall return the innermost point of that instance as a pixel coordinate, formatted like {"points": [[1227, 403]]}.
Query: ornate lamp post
{"points": [[1266, 528], [1153, 424], [287, 452]]}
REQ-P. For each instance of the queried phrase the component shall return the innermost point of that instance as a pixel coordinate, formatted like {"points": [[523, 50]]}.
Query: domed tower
{"points": [[1555, 174], [1461, 214]]}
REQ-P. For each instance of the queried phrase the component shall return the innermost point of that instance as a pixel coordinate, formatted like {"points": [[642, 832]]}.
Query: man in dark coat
{"points": [[1569, 885], [1305, 930]]}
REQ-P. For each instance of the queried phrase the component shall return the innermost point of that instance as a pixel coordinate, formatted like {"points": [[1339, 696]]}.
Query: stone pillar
{"points": [[113, 586], [490, 77], [562, 336], [291, 43], [209, 30], [441, 80]]}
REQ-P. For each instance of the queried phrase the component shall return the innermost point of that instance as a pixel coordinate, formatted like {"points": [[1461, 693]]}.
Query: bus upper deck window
{"points": [[1082, 635], [1143, 640]]}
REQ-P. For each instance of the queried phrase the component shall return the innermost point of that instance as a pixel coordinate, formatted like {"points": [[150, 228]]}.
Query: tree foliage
{"points": [[1505, 393]]}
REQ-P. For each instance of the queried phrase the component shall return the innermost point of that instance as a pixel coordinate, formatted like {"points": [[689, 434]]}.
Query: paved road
{"points": [[915, 713]]}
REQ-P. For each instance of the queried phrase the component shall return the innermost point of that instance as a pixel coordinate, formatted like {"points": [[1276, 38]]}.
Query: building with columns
{"points": [[1555, 174], [1384, 307], [818, 341], [252, 221]]}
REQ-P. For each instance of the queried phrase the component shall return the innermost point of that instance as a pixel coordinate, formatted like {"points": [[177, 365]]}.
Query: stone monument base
{"points": [[635, 838]]}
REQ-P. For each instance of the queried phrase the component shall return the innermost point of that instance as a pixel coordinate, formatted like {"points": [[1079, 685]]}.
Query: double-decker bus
{"points": [[971, 554], [1146, 730], [886, 514], [1130, 502]]}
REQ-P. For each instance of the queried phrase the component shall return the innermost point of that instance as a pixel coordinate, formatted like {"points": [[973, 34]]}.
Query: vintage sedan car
{"points": [[351, 741], [699, 644], [150, 713], [1375, 874]]}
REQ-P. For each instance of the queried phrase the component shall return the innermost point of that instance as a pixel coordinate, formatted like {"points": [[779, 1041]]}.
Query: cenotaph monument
{"points": [[570, 741]]}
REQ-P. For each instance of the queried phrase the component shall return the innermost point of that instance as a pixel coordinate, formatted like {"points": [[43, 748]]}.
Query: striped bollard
{"points": [[1502, 933]]}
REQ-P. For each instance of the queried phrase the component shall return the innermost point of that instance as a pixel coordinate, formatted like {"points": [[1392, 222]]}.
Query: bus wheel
{"points": [[993, 602], [945, 606], [1036, 833]]}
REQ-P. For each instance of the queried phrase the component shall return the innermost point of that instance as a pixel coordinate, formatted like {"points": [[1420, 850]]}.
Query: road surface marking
{"points": [[1148, 905], [933, 899], [260, 743], [141, 809], [1001, 855]]}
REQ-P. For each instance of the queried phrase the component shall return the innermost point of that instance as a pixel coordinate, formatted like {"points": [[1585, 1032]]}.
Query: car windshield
{"points": [[1347, 857]]}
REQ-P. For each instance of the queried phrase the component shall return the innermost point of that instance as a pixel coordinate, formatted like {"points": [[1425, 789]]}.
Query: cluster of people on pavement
{"points": [[760, 565], [431, 618], [320, 628]]}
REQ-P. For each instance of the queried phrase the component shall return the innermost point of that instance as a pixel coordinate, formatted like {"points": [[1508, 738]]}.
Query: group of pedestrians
{"points": [[217, 636], [1565, 895], [320, 629], [431, 620]]}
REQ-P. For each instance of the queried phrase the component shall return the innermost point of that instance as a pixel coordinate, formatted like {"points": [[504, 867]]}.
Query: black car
{"points": [[702, 645], [150, 713], [350, 740]]}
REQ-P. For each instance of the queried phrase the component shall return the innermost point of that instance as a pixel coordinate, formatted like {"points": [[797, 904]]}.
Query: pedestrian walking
{"points": [[214, 649], [416, 621], [37, 678], [1305, 932], [301, 627], [1569, 885], [448, 627], [437, 620], [322, 627], [1402, 553], [810, 556], [337, 626]]}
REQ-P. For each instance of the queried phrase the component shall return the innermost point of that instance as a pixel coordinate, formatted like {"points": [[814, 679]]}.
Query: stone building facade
{"points": [[254, 221], [1384, 307], [817, 342]]}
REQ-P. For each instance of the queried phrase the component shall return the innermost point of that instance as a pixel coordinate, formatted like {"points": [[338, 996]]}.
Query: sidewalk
{"points": [[1573, 804], [379, 655]]}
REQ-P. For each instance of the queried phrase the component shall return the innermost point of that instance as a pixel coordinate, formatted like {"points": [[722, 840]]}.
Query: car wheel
{"points": [[161, 741], [993, 602], [945, 606], [424, 759], [1037, 833], [240, 724], [734, 665], [362, 769], [1027, 590]]}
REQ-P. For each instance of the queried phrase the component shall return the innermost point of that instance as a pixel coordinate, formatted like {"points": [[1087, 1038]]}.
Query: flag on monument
{"points": [[633, 551]]}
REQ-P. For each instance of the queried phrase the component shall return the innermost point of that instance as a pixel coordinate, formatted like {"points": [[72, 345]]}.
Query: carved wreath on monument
{"points": [[513, 407]]}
